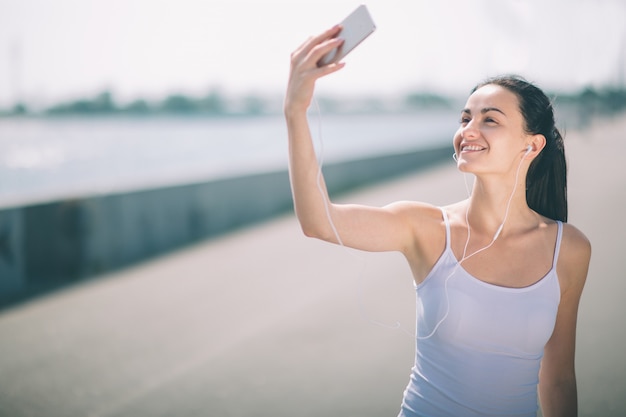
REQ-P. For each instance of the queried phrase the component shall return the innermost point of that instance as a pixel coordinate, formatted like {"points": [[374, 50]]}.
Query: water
{"points": [[46, 158]]}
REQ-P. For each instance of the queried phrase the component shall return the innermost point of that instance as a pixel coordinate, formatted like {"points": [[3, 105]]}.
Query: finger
{"points": [[313, 41], [300, 88], [330, 68], [324, 36], [320, 72], [315, 54], [318, 52], [307, 78]]}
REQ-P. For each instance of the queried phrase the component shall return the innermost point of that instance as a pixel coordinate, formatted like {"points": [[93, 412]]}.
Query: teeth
{"points": [[472, 148]]}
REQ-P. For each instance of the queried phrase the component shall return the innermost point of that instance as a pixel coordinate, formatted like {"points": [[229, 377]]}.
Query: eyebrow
{"points": [[485, 110]]}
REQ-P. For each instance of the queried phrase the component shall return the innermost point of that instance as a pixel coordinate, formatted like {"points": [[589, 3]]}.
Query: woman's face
{"points": [[491, 136]]}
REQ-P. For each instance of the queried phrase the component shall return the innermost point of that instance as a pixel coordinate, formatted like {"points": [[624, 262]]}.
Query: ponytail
{"points": [[546, 181]]}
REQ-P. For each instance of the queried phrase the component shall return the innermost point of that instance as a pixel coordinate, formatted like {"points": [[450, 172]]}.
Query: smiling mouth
{"points": [[471, 148]]}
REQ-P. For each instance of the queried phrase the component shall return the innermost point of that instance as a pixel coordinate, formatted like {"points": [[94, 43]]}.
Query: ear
{"points": [[537, 143]]}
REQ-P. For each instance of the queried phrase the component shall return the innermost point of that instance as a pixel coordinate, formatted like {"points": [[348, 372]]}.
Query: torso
{"points": [[490, 337], [515, 260]]}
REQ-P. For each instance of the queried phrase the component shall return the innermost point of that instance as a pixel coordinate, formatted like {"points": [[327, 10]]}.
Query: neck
{"points": [[494, 202]]}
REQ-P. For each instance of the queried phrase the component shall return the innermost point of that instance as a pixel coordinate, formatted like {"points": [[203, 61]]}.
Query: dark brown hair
{"points": [[546, 181]]}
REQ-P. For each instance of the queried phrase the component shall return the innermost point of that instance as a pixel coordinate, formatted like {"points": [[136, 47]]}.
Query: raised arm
{"points": [[303, 167], [367, 228]]}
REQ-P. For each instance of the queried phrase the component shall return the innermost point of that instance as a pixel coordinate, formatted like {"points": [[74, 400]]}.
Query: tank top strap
{"points": [[557, 247], [447, 223]]}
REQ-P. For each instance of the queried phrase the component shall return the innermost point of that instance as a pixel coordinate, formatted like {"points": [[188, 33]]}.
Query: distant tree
{"points": [[426, 100], [139, 106], [101, 103], [178, 103], [616, 99], [328, 104], [213, 103], [254, 104], [104, 103], [19, 109]]}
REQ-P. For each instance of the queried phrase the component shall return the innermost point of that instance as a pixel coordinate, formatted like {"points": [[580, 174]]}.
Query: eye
{"points": [[464, 120]]}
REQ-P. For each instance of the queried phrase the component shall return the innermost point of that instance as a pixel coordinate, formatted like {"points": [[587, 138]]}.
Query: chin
{"points": [[463, 166]]}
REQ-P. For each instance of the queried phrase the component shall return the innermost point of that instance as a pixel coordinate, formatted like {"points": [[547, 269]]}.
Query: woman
{"points": [[498, 276]]}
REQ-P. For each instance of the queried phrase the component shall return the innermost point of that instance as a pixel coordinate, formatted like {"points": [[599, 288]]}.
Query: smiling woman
{"points": [[546, 182], [498, 276]]}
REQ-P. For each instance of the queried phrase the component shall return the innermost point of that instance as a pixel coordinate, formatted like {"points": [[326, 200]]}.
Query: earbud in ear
{"points": [[529, 148]]}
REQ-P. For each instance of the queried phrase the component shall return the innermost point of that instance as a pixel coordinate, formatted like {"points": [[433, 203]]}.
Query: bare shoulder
{"points": [[576, 239], [414, 207], [424, 220], [574, 257], [574, 243], [419, 214], [426, 225]]}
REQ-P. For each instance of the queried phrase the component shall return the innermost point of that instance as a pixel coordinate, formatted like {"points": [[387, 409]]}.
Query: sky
{"points": [[55, 50]]}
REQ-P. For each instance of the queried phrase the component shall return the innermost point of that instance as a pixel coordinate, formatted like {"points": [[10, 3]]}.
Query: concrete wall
{"points": [[47, 245]]}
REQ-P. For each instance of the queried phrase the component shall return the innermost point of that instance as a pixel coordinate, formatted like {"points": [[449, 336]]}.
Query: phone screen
{"points": [[355, 28]]}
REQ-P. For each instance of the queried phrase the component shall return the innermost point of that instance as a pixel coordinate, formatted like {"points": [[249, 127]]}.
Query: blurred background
{"points": [[61, 51], [122, 71], [105, 96], [133, 128]]}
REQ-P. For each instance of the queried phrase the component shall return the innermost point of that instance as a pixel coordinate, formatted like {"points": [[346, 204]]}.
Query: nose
{"points": [[469, 131]]}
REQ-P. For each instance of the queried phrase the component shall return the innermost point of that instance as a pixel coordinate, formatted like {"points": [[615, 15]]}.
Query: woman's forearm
{"points": [[309, 196], [559, 400]]}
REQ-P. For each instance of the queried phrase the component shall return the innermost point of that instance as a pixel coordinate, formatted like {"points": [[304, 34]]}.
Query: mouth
{"points": [[472, 148]]}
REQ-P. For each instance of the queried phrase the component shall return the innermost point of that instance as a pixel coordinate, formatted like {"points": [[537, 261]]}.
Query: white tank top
{"points": [[483, 359]]}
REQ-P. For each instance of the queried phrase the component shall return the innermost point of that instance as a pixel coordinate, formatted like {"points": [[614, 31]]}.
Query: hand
{"points": [[304, 70]]}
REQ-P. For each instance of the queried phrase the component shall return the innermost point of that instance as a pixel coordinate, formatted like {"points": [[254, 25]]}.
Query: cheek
{"points": [[456, 141]]}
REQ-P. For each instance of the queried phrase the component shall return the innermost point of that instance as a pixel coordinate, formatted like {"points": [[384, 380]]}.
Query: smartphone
{"points": [[355, 28]]}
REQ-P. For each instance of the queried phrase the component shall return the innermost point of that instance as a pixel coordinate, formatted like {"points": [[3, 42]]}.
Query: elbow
{"points": [[315, 223], [315, 231], [310, 231]]}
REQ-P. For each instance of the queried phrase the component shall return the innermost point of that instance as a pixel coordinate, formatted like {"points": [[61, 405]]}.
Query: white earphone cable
{"points": [[465, 257]]}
